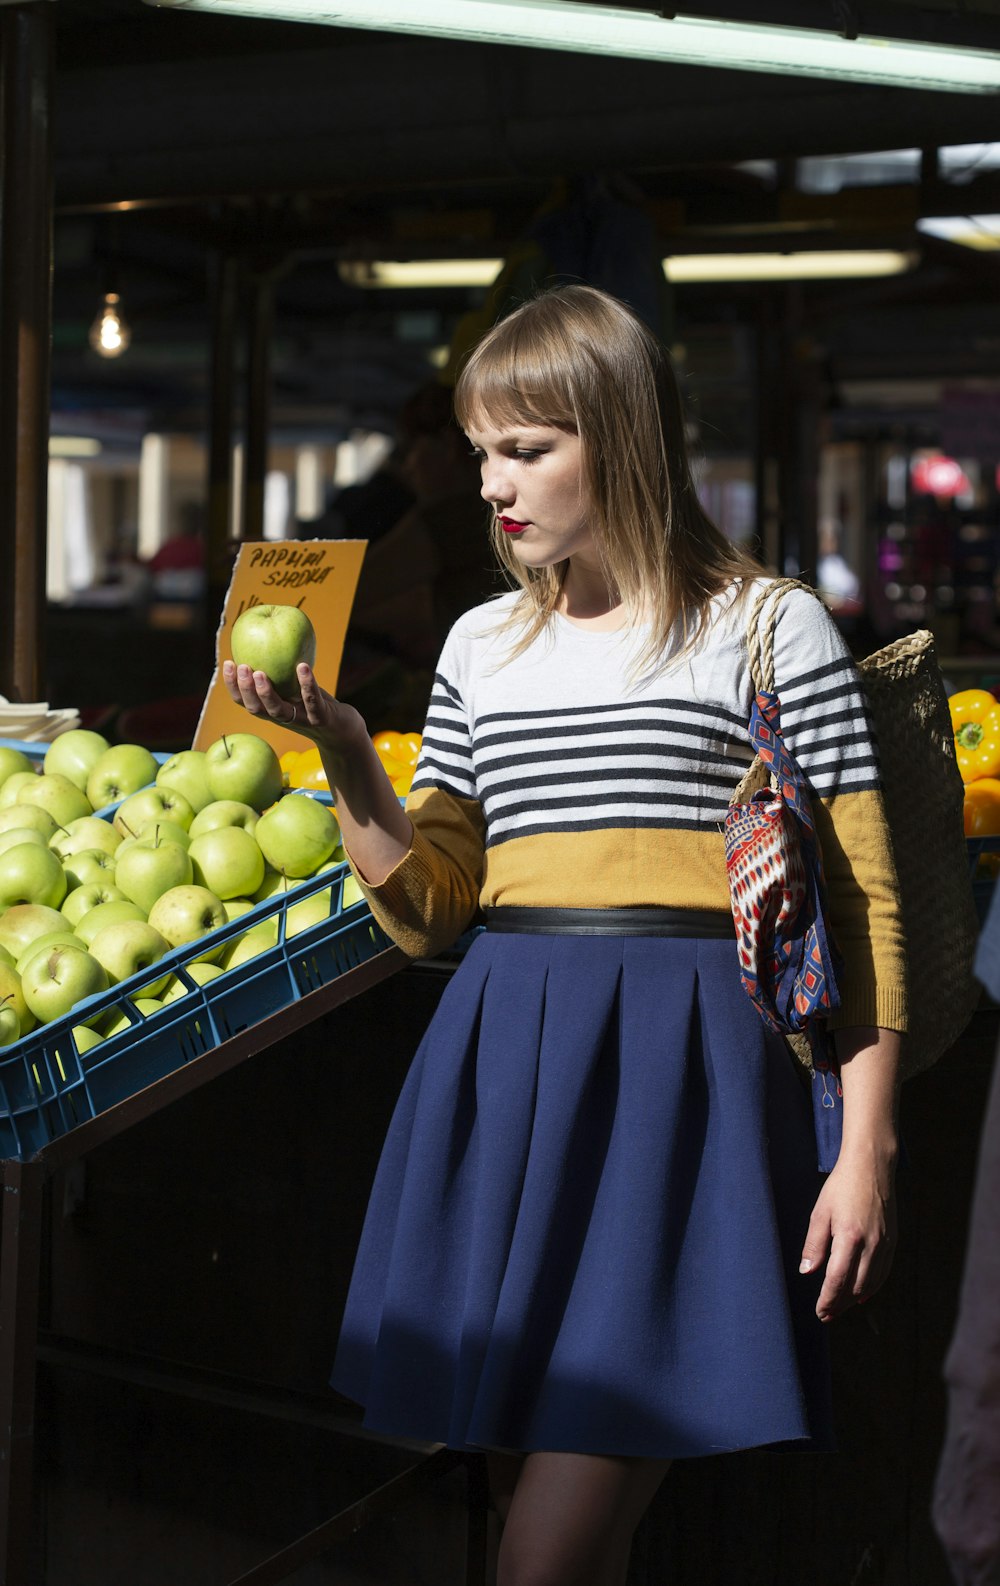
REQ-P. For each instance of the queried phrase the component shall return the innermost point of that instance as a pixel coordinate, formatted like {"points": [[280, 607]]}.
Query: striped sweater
{"points": [[557, 778]]}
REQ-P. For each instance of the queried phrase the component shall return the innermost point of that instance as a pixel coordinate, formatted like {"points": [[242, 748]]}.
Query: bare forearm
{"points": [[376, 830], [869, 1073]]}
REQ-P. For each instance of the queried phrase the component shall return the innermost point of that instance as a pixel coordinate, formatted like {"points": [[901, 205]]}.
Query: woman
{"points": [[597, 1240]]}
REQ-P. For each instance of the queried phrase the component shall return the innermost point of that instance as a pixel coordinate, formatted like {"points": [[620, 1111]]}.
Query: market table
{"points": [[402, 1470]]}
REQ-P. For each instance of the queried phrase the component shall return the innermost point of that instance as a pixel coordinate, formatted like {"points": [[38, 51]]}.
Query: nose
{"points": [[494, 487]]}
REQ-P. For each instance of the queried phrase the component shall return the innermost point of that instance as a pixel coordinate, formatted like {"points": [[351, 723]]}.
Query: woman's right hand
{"points": [[334, 727]]}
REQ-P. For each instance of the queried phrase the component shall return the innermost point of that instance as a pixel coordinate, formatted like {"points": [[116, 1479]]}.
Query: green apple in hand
{"points": [[200, 972], [29, 874], [274, 639], [88, 925], [186, 913], [62, 798], [88, 831], [90, 895], [224, 812], [244, 767], [91, 867], [187, 772], [152, 804], [22, 923], [54, 982], [74, 754], [121, 770], [147, 870], [127, 949], [297, 835], [227, 861], [12, 760], [11, 788], [32, 815]]}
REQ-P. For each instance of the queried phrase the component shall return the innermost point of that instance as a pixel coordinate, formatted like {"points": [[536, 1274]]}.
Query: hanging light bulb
{"points": [[109, 334]]}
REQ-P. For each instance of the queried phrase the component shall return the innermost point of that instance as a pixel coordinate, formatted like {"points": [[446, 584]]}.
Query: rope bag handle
{"points": [[760, 631]]}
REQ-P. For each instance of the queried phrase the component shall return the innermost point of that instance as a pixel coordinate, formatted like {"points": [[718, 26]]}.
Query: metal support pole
{"points": [[20, 1261], [25, 340], [219, 515], [258, 401]]}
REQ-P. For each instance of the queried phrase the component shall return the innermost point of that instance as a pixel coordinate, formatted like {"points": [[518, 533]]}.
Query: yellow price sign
{"points": [[318, 576]]}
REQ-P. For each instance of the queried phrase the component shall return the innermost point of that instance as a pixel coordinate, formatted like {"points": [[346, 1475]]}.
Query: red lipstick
{"points": [[510, 525]]}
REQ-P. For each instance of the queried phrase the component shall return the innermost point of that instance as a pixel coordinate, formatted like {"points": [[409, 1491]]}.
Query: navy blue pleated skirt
{"points": [[586, 1224]]}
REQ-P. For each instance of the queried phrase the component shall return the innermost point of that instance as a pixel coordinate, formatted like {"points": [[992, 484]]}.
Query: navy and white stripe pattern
{"points": [[558, 740]]}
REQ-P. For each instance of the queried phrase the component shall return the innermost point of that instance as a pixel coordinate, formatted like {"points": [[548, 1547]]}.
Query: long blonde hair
{"points": [[577, 358]]}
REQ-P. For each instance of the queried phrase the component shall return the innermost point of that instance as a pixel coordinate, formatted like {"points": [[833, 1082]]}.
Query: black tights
{"points": [[569, 1519]]}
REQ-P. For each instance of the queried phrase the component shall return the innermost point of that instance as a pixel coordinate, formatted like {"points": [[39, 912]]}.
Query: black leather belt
{"points": [[611, 922]]}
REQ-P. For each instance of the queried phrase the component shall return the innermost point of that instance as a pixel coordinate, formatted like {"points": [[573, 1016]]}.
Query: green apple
{"points": [[227, 861], [54, 982], [244, 767], [12, 787], [12, 760], [91, 867], [273, 882], [62, 798], [121, 770], [103, 914], [21, 815], [121, 1021], [235, 907], [21, 834], [224, 812], [253, 942], [311, 911], [297, 835], [30, 874], [186, 913], [74, 754], [10, 1024], [352, 893], [186, 771], [85, 1038], [42, 943], [12, 997], [22, 923], [90, 895], [147, 870], [274, 639], [200, 973], [163, 832], [89, 831], [127, 949], [152, 804]]}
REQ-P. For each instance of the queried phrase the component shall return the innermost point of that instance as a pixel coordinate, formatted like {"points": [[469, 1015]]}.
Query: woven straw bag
{"points": [[923, 795]]}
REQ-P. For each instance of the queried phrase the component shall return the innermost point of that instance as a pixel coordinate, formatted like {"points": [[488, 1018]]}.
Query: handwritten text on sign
{"points": [[320, 577]]}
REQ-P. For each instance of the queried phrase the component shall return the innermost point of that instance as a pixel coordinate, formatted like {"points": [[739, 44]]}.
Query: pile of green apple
{"points": [[89, 901]]}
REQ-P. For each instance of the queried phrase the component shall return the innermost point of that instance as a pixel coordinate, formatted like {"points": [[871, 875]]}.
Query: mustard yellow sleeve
{"points": [[432, 895]]}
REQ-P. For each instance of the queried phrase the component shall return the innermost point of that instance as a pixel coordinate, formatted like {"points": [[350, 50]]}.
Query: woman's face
{"points": [[532, 475]]}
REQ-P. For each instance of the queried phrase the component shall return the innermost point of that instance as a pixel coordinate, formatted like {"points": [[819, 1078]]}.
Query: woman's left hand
{"points": [[852, 1229]]}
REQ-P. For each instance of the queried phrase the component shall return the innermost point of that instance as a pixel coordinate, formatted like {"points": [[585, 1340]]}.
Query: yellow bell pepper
{"points": [[982, 807], [975, 717]]}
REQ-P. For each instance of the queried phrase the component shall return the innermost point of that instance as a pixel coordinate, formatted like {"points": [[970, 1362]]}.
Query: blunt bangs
{"points": [[517, 376]]}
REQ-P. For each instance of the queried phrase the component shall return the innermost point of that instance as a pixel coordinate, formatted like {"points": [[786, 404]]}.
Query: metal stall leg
{"points": [[20, 1261]]}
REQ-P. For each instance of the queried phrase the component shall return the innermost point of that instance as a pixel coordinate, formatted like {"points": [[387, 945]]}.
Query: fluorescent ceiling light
{"points": [[692, 267], [73, 446], [605, 30], [969, 231], [420, 272]]}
